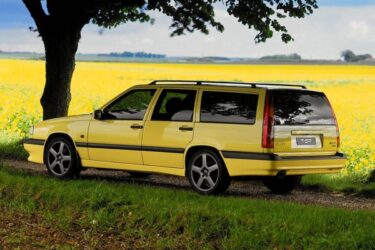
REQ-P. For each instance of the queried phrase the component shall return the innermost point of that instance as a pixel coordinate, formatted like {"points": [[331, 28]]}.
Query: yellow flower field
{"points": [[351, 90]]}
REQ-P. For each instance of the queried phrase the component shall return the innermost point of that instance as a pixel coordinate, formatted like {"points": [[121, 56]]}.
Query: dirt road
{"points": [[239, 188]]}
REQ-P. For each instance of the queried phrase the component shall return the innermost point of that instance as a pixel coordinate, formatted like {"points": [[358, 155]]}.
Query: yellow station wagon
{"points": [[207, 131]]}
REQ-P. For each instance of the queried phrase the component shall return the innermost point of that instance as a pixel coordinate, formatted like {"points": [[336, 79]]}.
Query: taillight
{"points": [[337, 125], [267, 136]]}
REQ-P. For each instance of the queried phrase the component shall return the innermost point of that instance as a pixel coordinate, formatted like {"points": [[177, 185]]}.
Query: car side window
{"points": [[228, 107], [175, 105], [131, 106]]}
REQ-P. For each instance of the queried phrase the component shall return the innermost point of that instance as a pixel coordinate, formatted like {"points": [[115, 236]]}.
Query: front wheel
{"points": [[282, 185], [207, 173], [61, 158]]}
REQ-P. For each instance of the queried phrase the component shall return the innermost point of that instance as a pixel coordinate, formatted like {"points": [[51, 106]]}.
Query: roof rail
{"points": [[253, 85], [281, 84]]}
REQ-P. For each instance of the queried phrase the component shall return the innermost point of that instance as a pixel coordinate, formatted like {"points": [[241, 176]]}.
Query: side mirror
{"points": [[98, 115]]}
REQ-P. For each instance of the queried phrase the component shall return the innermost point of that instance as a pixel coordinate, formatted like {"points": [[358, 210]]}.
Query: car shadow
{"points": [[244, 187]]}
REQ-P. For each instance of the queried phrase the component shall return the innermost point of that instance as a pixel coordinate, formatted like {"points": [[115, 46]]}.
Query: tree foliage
{"points": [[289, 57], [264, 16], [61, 22], [349, 56]]}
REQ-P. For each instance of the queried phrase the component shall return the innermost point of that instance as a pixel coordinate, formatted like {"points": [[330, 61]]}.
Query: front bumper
{"points": [[272, 164], [35, 148]]}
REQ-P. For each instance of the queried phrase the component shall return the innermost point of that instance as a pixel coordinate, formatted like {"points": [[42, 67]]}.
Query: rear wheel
{"points": [[207, 173], [61, 158], [282, 185]]}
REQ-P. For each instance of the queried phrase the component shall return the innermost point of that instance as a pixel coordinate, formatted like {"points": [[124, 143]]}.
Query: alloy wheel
{"points": [[205, 172], [59, 158]]}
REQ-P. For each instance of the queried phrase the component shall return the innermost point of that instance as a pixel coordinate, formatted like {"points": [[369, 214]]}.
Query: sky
{"points": [[337, 25]]}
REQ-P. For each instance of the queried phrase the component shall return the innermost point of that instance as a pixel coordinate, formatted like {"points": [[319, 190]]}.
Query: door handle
{"points": [[185, 128], [136, 126]]}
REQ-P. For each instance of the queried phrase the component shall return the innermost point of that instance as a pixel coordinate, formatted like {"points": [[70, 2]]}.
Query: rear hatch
{"points": [[303, 123]]}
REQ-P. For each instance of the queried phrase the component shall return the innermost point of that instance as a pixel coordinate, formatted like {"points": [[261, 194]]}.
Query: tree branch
{"points": [[36, 11]]}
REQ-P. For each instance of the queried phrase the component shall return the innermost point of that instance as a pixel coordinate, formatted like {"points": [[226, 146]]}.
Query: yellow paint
{"points": [[166, 134], [115, 132], [35, 152], [327, 135]]}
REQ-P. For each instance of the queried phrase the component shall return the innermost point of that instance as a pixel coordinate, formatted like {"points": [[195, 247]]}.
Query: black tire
{"points": [[138, 174], [210, 177], [61, 161], [282, 185]]}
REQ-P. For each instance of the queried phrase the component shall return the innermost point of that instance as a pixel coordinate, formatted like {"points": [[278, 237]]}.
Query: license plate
{"points": [[305, 141]]}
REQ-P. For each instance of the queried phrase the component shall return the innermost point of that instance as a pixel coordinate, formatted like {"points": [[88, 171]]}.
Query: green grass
{"points": [[346, 185], [162, 218], [12, 148]]}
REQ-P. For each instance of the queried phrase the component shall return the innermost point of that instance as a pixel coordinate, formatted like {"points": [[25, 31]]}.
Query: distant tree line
{"points": [[290, 57], [140, 54], [349, 56]]}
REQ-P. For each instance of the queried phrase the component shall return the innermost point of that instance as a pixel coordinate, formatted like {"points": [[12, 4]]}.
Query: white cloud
{"points": [[20, 40], [147, 41], [210, 39], [322, 35], [358, 29]]}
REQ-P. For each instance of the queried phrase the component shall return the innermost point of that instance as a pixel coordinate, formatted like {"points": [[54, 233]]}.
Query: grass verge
{"points": [[345, 185], [12, 148], [150, 217]]}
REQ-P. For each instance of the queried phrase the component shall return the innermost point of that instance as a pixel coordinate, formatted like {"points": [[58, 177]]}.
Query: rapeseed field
{"points": [[350, 88]]}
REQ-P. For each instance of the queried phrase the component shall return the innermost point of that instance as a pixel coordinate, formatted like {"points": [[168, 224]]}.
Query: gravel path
{"points": [[244, 189]]}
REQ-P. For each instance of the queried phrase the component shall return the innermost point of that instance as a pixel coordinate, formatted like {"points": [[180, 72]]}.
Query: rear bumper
{"points": [[300, 165], [244, 164]]}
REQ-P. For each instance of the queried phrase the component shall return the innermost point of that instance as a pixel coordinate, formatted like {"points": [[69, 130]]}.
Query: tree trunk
{"points": [[60, 48], [60, 31]]}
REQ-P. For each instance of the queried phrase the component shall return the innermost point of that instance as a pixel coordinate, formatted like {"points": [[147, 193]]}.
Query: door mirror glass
{"points": [[98, 115]]}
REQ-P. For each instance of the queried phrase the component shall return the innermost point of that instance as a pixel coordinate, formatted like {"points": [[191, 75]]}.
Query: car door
{"points": [[169, 129], [230, 121], [117, 137]]}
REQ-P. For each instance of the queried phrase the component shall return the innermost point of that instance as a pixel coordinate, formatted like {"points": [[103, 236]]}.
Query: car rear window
{"points": [[293, 107]]}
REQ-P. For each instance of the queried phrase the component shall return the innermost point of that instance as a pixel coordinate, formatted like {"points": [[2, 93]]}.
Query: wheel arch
{"points": [[65, 136], [193, 149]]}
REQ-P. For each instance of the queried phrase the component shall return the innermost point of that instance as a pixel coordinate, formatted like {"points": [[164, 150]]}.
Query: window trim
{"points": [[105, 109], [162, 90], [228, 92]]}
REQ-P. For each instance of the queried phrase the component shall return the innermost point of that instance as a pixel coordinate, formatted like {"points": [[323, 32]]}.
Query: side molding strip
{"points": [[163, 149], [34, 141], [130, 147], [114, 146], [248, 155], [226, 154]]}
